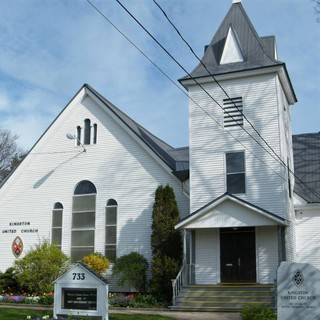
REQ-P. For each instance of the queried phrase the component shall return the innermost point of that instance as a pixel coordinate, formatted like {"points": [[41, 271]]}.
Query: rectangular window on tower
{"points": [[232, 112], [235, 172]]}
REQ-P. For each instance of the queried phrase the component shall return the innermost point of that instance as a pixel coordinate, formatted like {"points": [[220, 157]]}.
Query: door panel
{"points": [[238, 255]]}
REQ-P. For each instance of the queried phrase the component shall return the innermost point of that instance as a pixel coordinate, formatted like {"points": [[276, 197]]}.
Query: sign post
{"points": [[298, 291], [80, 292]]}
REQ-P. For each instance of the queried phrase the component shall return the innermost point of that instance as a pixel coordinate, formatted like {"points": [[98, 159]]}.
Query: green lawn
{"points": [[21, 314]]}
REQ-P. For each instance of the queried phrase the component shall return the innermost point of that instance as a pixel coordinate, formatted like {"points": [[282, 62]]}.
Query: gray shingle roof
{"points": [[269, 45], [176, 158], [257, 52], [306, 152], [306, 149]]}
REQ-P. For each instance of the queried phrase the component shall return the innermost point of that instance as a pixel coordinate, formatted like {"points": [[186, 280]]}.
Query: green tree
{"points": [[163, 269], [40, 267], [131, 270], [8, 282], [166, 242]]}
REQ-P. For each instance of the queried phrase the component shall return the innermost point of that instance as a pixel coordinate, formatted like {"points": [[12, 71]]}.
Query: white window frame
{"points": [[84, 228], [111, 225], [56, 228], [244, 172]]}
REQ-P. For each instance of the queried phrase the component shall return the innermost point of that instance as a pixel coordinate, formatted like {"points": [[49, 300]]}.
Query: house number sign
{"points": [[78, 276]]}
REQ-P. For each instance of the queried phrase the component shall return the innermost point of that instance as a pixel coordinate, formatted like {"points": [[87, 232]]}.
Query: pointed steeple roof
{"points": [[256, 52]]}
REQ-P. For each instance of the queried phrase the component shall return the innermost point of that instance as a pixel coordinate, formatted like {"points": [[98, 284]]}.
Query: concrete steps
{"points": [[223, 297]]}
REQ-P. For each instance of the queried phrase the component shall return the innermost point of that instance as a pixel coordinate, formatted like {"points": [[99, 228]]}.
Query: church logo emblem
{"points": [[298, 278], [17, 247]]}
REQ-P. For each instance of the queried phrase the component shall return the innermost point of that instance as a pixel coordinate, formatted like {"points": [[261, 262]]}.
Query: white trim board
{"points": [[215, 215]]}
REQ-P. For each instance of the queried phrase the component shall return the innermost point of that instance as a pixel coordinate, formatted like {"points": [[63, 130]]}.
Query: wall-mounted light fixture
{"points": [[73, 137]]}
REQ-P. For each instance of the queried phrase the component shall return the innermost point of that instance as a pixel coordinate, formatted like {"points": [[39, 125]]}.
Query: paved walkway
{"points": [[184, 315]]}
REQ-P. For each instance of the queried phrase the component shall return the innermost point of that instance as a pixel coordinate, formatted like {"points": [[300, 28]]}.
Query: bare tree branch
{"points": [[9, 152]]}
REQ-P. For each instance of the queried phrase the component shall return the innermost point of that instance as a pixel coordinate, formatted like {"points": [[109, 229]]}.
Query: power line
{"points": [[225, 92], [215, 79], [186, 71], [177, 86], [199, 84]]}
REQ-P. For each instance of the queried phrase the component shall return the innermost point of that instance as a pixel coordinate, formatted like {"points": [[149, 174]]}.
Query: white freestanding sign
{"points": [[298, 291], [81, 292]]}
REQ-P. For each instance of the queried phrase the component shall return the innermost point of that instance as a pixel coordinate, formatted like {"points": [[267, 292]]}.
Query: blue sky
{"points": [[49, 48]]}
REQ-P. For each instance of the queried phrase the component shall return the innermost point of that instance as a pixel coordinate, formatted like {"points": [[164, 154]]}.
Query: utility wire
{"points": [[178, 87], [186, 71], [290, 171], [199, 84], [215, 79], [175, 84]]}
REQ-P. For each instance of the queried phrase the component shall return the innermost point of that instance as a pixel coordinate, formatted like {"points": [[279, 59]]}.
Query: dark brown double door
{"points": [[238, 255]]}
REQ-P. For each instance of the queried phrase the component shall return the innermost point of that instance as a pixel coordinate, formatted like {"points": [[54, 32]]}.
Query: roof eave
{"points": [[211, 205], [187, 81]]}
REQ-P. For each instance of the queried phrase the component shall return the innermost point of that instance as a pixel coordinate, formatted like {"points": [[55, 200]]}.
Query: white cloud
{"points": [[28, 128], [4, 101], [48, 49]]}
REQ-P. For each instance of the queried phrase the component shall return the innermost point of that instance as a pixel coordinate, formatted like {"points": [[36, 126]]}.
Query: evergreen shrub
{"points": [[166, 243], [257, 312], [131, 271], [9, 282]]}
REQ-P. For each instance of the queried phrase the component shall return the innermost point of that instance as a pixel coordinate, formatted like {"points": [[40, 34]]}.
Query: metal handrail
{"points": [[180, 281]]}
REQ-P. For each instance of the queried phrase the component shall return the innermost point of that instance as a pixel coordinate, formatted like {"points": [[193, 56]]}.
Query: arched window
{"points": [[85, 187], [87, 131], [78, 135], [56, 231], [83, 220], [111, 229], [95, 132]]}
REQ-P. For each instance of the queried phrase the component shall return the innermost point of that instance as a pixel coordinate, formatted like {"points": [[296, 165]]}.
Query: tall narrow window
{"points": [[289, 178], [78, 135], [56, 231], [236, 176], [233, 112], [95, 132], [87, 131], [111, 229], [83, 220]]}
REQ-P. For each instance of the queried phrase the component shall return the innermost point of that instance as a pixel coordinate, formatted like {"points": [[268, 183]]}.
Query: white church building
{"points": [[243, 211]]}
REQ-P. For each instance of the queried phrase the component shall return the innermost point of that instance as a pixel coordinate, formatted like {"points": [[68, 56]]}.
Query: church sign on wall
{"points": [[298, 291], [18, 230], [17, 247], [22, 227]]}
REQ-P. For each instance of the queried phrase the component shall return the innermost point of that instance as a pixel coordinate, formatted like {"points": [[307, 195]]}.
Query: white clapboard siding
{"points": [[308, 236], [267, 254], [209, 143], [119, 167], [207, 256]]}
